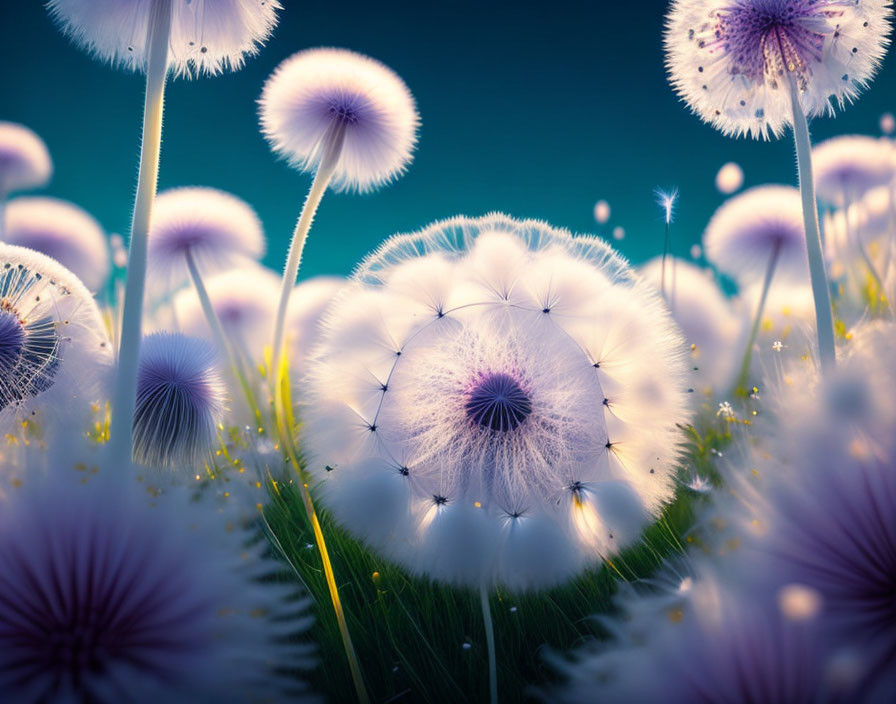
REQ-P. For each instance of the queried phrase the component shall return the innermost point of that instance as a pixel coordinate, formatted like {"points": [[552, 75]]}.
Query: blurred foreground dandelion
{"points": [[110, 596], [53, 345], [180, 402], [155, 37], [62, 231], [729, 178], [756, 66]]}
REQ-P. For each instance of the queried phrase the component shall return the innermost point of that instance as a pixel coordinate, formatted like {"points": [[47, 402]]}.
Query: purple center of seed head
{"points": [[12, 340], [768, 38], [498, 402]]}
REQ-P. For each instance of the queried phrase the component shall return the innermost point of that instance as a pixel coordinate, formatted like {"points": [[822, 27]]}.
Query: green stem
{"points": [[490, 644], [220, 336], [824, 319], [741, 385], [125, 392]]}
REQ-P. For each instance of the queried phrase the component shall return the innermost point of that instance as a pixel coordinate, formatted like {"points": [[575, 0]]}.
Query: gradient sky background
{"points": [[537, 110]]}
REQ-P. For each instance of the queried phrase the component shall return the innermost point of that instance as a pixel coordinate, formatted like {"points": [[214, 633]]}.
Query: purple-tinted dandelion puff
{"points": [[24, 163], [180, 402]]}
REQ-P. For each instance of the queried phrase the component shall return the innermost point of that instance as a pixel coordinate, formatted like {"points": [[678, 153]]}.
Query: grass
{"points": [[425, 642]]}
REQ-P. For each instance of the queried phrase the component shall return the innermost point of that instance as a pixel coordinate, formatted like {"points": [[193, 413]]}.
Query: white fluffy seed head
{"points": [[220, 231], [317, 92], [63, 231], [745, 231], [496, 400], [847, 167], [732, 61], [24, 160], [54, 352], [207, 36], [245, 301], [307, 304], [705, 317]]}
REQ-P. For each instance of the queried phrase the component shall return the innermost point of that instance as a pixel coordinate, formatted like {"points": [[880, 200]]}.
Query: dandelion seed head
{"points": [[319, 91], [732, 61], [729, 178], [24, 160], [219, 230], [111, 596], [498, 400], [745, 231], [307, 304], [54, 350], [180, 402], [207, 36], [849, 166], [63, 232]]}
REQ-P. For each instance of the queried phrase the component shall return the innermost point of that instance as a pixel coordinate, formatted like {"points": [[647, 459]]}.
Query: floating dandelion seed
{"points": [[344, 116], [849, 166], [53, 345], [887, 123], [756, 66], [111, 597], [696, 251], [666, 200], [244, 301], [601, 212], [217, 230], [729, 178], [706, 319], [157, 36], [62, 231], [761, 225], [205, 36], [618, 233], [180, 402], [24, 162], [457, 361]]}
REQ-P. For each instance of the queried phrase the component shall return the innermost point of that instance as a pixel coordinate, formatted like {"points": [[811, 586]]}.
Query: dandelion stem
{"points": [[490, 643], [124, 395], [824, 319], [741, 384], [331, 151], [221, 337], [285, 425]]}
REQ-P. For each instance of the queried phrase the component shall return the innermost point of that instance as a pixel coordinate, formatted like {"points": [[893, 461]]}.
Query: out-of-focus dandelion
{"points": [[155, 37], [53, 345], [347, 118], [696, 251], [457, 361], [618, 233], [62, 231], [601, 212], [666, 200], [761, 225], [729, 178], [307, 304], [24, 163], [756, 66], [887, 123], [111, 596], [706, 319], [180, 402]]}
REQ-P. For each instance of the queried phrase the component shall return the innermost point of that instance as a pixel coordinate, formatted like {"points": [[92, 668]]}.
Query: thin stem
{"points": [[824, 319], [490, 644], [124, 395], [741, 384], [331, 151], [285, 424], [220, 336]]}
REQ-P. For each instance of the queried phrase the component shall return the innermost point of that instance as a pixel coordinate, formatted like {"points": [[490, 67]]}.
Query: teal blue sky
{"points": [[534, 109]]}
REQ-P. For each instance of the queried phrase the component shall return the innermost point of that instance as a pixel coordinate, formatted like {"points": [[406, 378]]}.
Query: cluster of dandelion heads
{"points": [[307, 304], [62, 231], [244, 300], [24, 160], [110, 595], [732, 61], [496, 400], [217, 229], [180, 402], [706, 318], [206, 36], [53, 345], [847, 167], [752, 226], [318, 95]]}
